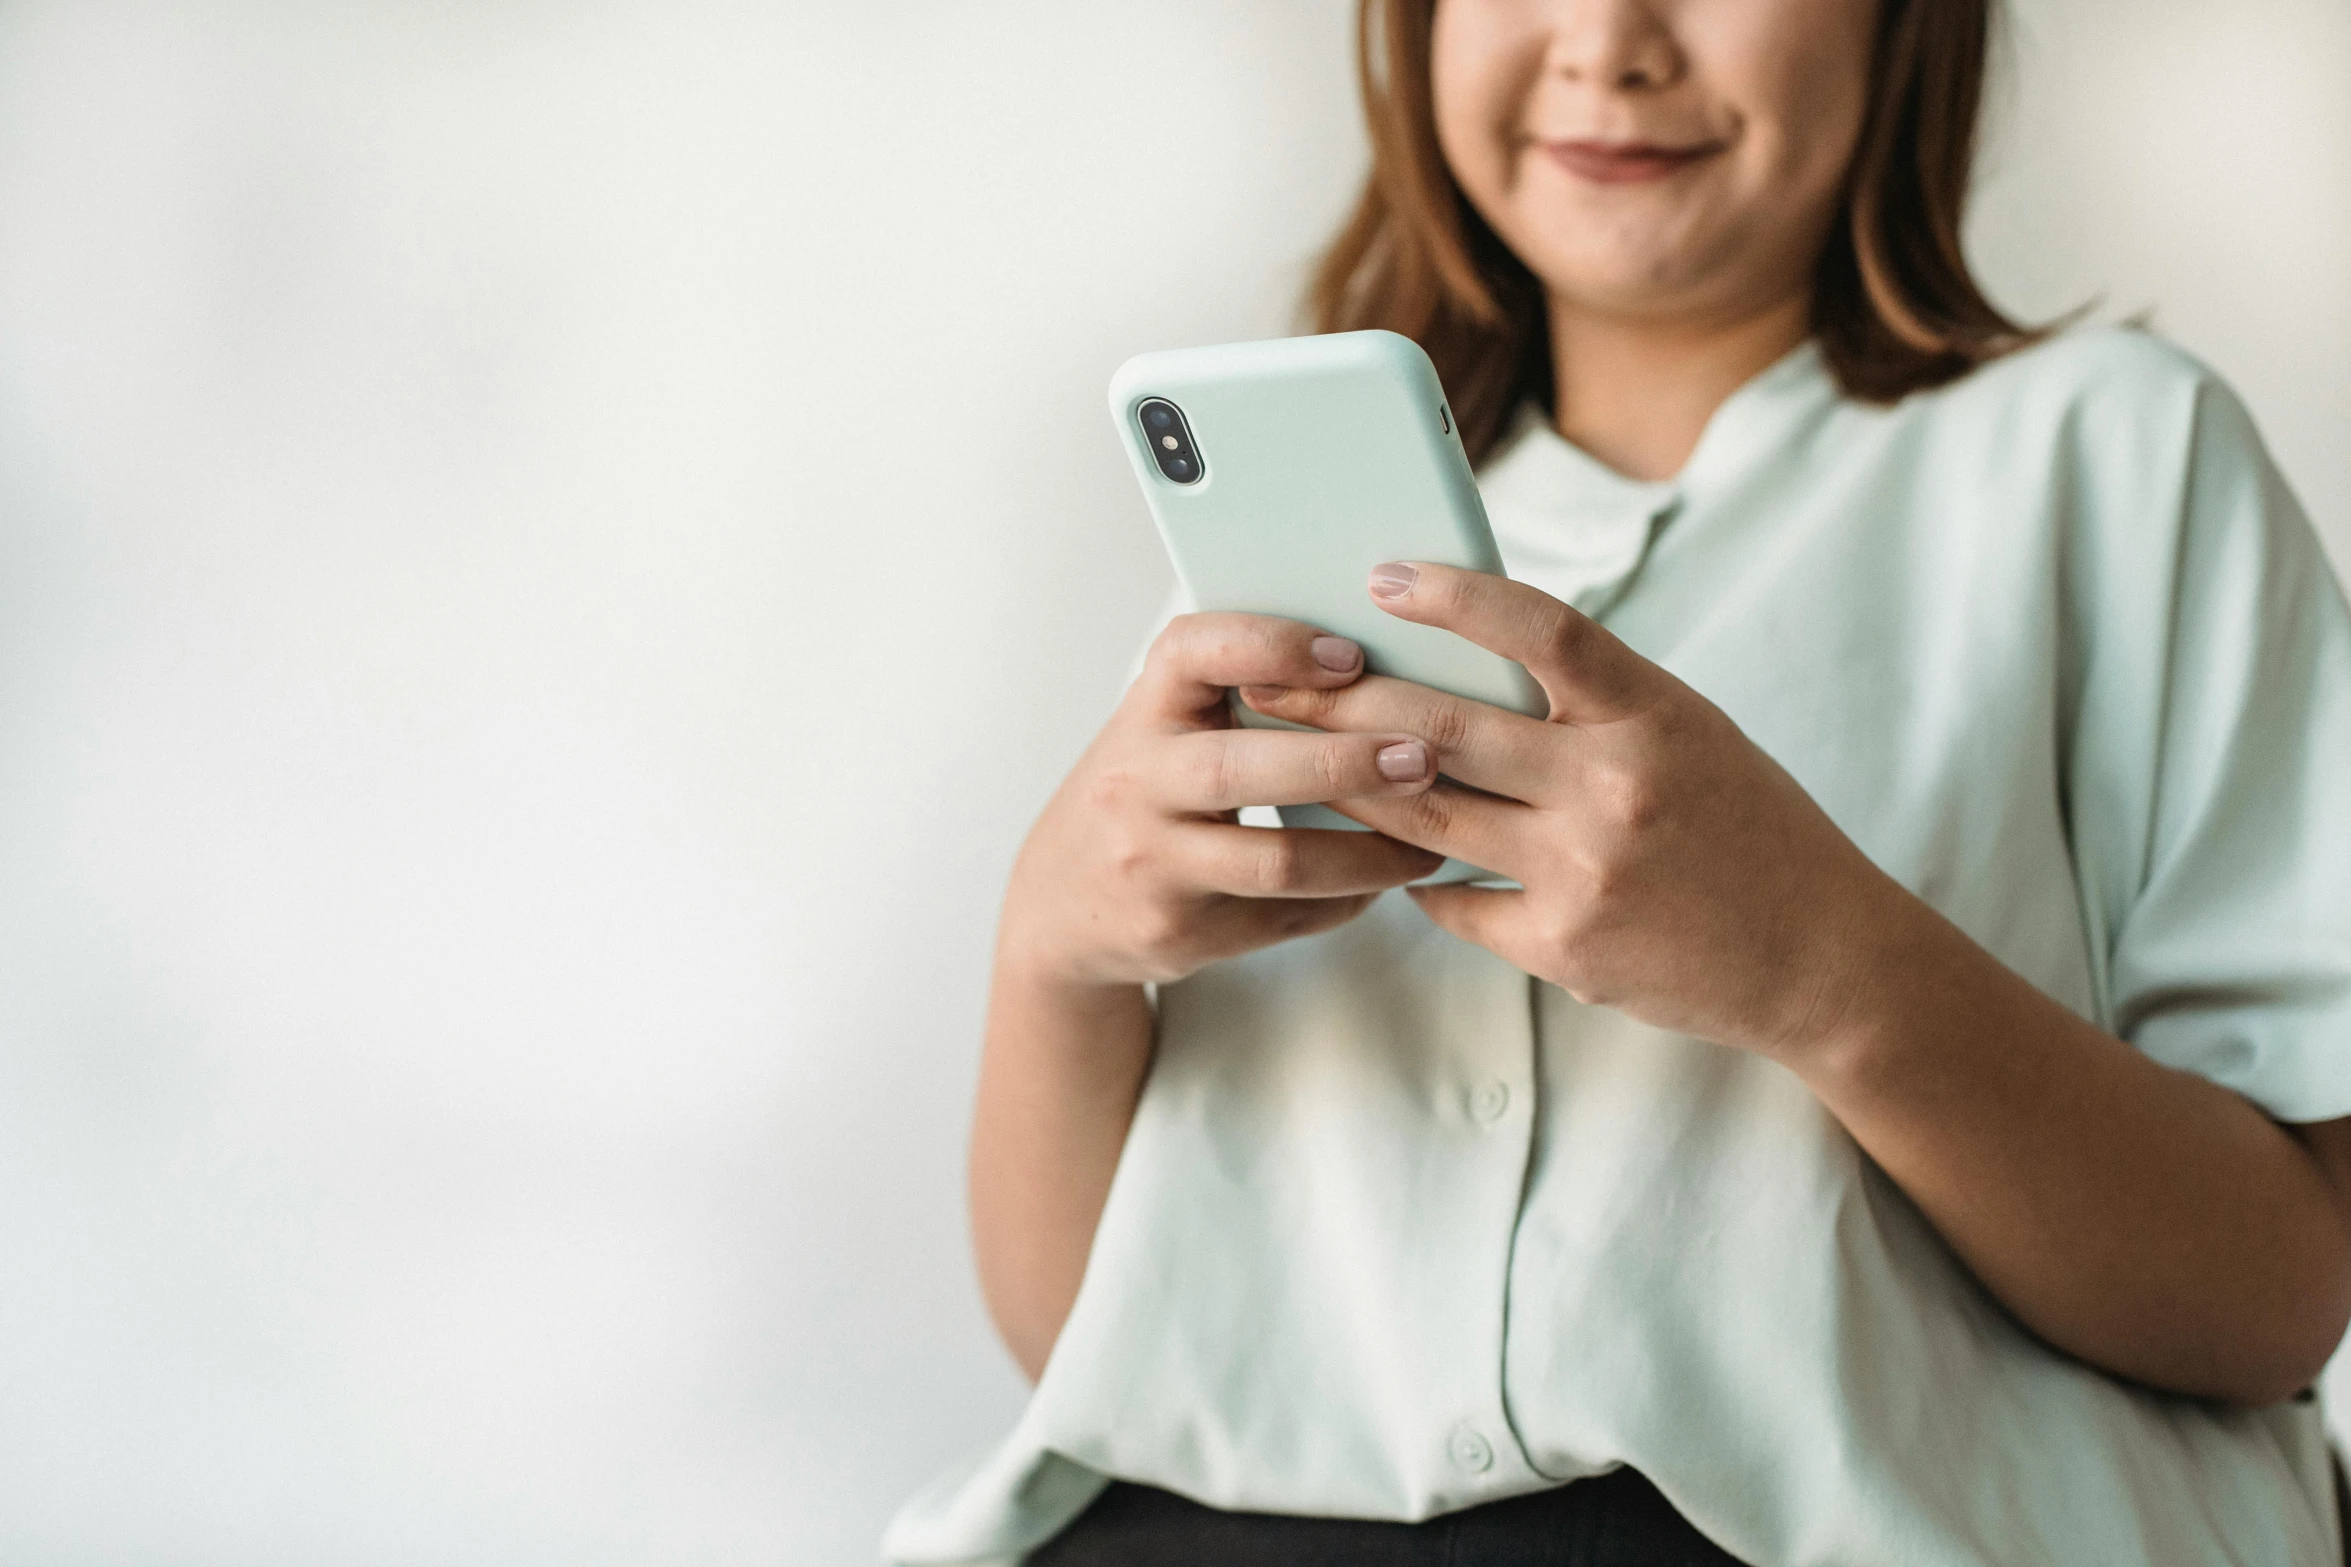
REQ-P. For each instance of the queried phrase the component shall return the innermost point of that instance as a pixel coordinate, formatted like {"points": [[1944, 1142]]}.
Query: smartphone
{"points": [[1279, 473]]}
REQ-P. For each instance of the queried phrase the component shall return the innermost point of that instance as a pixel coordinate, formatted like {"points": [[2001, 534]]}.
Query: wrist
{"points": [[1868, 968], [1092, 1037], [1033, 973], [1042, 977], [1035, 964]]}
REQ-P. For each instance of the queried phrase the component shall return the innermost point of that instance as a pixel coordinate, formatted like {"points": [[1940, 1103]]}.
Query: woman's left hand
{"points": [[1670, 868]]}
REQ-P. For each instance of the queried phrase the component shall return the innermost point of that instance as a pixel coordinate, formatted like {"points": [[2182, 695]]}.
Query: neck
{"points": [[1637, 394]]}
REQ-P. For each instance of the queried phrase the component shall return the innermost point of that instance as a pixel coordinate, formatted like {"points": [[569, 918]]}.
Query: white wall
{"points": [[547, 553], [2191, 163]]}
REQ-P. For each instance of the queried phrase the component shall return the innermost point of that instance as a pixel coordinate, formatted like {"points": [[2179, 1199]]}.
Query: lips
{"points": [[1626, 162]]}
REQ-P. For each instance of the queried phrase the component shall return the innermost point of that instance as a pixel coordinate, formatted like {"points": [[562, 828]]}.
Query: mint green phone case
{"points": [[1321, 457]]}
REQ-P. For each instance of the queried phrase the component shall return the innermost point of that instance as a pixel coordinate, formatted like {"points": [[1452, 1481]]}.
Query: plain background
{"points": [[548, 553]]}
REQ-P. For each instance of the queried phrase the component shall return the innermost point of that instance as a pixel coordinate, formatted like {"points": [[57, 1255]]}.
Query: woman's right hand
{"points": [[1138, 870]]}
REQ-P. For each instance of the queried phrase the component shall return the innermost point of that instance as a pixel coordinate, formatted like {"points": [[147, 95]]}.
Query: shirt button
{"points": [[1470, 1450], [1488, 1103]]}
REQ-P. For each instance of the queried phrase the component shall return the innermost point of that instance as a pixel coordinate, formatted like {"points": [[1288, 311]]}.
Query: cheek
{"points": [[1484, 58], [1805, 66]]}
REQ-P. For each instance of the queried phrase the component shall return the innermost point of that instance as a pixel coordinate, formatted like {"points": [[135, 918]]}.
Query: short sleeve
{"points": [[2209, 759]]}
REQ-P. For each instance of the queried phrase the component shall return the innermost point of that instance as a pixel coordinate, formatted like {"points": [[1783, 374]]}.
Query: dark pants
{"points": [[1616, 1520]]}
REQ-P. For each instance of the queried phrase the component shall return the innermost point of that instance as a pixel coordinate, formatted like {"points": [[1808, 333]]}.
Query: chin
{"points": [[1642, 285], [1647, 270]]}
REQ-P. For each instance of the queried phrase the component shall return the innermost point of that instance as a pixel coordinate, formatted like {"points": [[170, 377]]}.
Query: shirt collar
{"points": [[1756, 423], [1570, 524]]}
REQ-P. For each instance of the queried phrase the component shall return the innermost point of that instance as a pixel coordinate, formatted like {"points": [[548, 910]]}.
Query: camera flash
{"points": [[1168, 441]]}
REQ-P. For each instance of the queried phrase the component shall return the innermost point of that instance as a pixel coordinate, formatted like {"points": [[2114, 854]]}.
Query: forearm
{"points": [[2142, 1218], [1059, 1076]]}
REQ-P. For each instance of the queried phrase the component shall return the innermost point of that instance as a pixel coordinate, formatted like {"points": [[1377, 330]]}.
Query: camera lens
{"points": [[1161, 424]]}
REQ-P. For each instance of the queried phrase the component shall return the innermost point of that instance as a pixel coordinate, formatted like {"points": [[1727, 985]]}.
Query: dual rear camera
{"points": [[1169, 438]]}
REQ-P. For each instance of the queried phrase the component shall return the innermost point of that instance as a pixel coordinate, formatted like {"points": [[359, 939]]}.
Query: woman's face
{"points": [[1668, 160]]}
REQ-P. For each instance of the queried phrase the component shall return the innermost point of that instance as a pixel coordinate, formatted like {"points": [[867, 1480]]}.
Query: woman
{"points": [[1901, 1118]]}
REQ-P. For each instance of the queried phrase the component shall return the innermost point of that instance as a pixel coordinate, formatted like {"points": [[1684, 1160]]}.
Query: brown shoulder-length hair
{"points": [[1894, 305]]}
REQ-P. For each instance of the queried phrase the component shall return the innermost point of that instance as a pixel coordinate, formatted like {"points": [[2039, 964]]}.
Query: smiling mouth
{"points": [[1626, 162]]}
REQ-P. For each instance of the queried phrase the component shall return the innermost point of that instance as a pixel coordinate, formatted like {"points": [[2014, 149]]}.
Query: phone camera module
{"points": [[1169, 438]]}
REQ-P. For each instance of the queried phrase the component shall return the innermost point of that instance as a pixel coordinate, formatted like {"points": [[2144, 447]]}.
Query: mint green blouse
{"points": [[1399, 1230]]}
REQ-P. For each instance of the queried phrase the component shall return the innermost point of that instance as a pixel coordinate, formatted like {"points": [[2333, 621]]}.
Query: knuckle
{"points": [[1251, 640], [1280, 866], [1204, 646], [1160, 932], [1334, 768], [1641, 805], [1570, 635], [1534, 619], [1602, 870], [1301, 704], [1609, 879], [1629, 797], [1446, 726], [1128, 856], [1431, 812], [1215, 768], [1169, 649], [1110, 789], [1566, 929]]}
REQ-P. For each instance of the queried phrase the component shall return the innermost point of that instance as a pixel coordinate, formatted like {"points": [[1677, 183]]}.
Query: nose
{"points": [[1623, 45]]}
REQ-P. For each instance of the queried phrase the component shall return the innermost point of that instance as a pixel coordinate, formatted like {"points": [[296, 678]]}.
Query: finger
{"points": [[1490, 917], [1294, 862], [1229, 927], [1590, 676], [1496, 750], [1447, 819], [1225, 769], [1197, 657]]}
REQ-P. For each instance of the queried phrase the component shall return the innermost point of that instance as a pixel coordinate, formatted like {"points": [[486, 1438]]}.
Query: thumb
{"points": [[1490, 917]]}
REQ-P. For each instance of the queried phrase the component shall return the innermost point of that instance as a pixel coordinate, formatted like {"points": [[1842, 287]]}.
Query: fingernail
{"points": [[1407, 761], [1336, 654], [1393, 580]]}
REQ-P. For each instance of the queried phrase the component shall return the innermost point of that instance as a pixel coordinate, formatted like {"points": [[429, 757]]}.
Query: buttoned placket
{"points": [[1489, 1110], [1616, 526]]}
